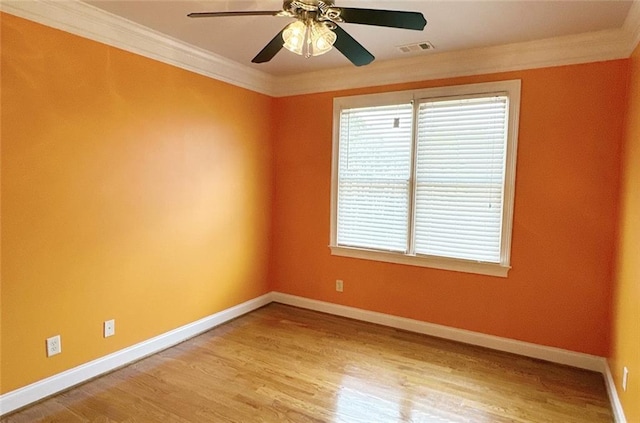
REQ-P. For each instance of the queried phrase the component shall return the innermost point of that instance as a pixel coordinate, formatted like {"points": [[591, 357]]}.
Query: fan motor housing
{"points": [[287, 3]]}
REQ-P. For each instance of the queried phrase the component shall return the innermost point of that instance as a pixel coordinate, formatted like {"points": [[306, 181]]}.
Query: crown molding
{"points": [[87, 21], [567, 50], [632, 25]]}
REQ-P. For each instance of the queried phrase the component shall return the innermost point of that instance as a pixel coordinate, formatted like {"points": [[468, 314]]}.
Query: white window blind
{"points": [[427, 177], [460, 164], [373, 177]]}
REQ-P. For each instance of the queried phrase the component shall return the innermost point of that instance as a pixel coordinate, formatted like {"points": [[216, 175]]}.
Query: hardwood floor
{"points": [[283, 364]]}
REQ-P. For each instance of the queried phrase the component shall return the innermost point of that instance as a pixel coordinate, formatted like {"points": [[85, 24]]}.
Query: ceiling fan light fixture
{"points": [[322, 39], [315, 30], [294, 36], [308, 38]]}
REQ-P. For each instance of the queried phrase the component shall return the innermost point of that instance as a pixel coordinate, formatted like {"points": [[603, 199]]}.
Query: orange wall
{"points": [[626, 321], [137, 191], [131, 190], [558, 292]]}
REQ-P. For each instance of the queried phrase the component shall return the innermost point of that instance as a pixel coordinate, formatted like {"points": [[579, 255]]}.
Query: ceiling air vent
{"points": [[416, 47]]}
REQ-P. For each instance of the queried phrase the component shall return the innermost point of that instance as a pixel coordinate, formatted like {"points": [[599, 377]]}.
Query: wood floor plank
{"points": [[284, 364]]}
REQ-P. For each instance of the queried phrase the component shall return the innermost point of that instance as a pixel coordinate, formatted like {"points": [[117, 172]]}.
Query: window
{"points": [[426, 177]]}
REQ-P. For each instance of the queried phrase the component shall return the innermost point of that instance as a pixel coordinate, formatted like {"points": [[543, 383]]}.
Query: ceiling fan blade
{"points": [[223, 14], [352, 49], [270, 50], [390, 18]]}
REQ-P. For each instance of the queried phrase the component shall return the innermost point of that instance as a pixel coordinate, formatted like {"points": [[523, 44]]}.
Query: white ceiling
{"points": [[451, 26]]}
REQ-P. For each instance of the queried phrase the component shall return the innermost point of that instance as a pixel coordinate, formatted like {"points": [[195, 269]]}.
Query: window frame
{"points": [[512, 89]]}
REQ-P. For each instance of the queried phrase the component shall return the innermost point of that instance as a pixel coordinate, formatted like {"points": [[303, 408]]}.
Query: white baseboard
{"points": [[552, 354], [46, 387], [616, 405], [555, 355]]}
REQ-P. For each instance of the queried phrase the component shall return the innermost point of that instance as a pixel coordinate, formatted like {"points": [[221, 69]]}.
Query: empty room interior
{"points": [[391, 211]]}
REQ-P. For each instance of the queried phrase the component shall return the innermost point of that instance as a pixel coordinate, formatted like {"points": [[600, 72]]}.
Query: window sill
{"points": [[456, 265]]}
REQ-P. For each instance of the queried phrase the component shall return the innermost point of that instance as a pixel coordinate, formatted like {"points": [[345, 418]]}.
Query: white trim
{"points": [[96, 24], [90, 22], [442, 263], [526, 349], [46, 387], [552, 354], [512, 89], [568, 50], [616, 405]]}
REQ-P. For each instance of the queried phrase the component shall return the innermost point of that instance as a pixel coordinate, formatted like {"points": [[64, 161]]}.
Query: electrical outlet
{"points": [[54, 345], [339, 285], [109, 328], [625, 378]]}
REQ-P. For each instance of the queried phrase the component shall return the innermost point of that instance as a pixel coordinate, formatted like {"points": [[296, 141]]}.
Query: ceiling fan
{"points": [[316, 28]]}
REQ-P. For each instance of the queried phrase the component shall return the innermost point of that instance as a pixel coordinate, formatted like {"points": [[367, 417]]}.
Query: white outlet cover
{"points": [[109, 328], [54, 345], [339, 285]]}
